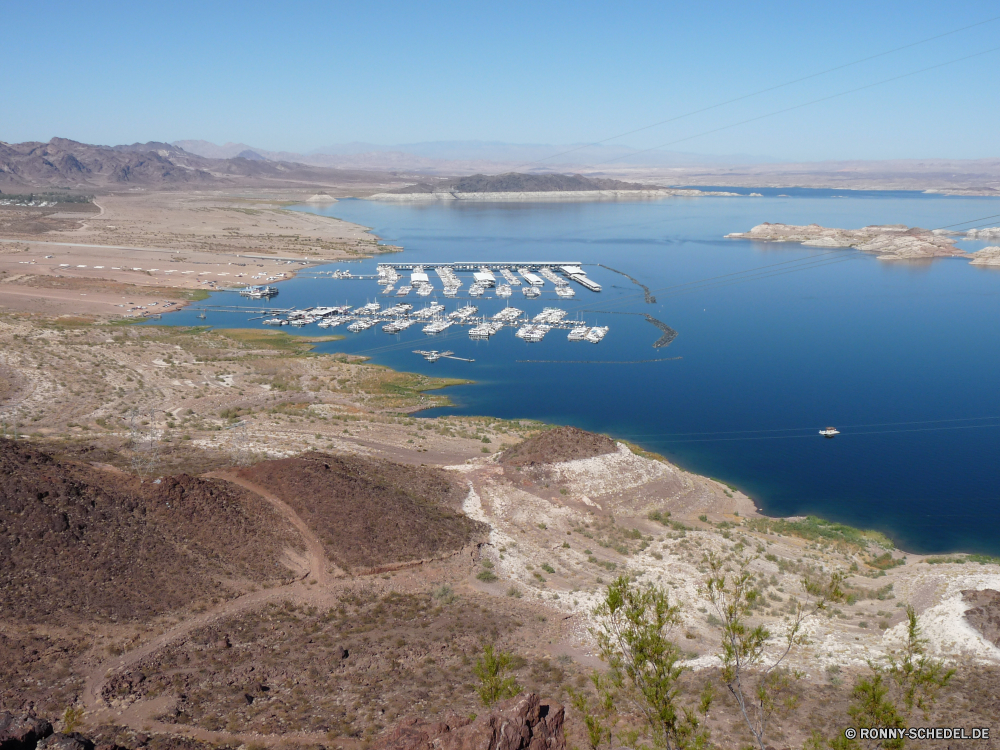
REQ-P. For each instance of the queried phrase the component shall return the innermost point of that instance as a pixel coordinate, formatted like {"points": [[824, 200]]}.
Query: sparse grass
{"points": [[817, 529]]}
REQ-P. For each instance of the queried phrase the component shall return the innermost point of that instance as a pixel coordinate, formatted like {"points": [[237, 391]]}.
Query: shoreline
{"points": [[417, 412], [553, 195]]}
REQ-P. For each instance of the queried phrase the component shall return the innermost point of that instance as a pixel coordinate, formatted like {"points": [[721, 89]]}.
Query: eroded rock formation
{"points": [[521, 723]]}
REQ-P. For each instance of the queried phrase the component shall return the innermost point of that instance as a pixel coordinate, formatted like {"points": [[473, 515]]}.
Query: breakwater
{"points": [[650, 299], [669, 334]]}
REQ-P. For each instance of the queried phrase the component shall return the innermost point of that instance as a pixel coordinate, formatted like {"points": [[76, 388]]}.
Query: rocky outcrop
{"points": [[888, 242], [22, 731], [557, 445], [984, 613], [986, 233], [60, 741], [988, 256], [521, 723]]}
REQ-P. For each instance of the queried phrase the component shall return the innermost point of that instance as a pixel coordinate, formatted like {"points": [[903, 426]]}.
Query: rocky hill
{"points": [[370, 513], [558, 444], [65, 163], [80, 543], [518, 182]]}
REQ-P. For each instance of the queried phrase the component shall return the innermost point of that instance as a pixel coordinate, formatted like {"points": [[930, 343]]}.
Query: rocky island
{"points": [[887, 242], [515, 186]]}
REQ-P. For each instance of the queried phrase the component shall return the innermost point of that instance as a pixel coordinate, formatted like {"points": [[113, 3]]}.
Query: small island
{"points": [[887, 242]]}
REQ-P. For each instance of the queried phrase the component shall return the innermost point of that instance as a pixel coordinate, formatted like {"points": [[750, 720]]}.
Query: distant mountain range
{"points": [[199, 164], [65, 163], [453, 157]]}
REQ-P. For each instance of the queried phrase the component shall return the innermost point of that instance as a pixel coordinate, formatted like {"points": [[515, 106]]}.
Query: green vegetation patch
{"points": [[962, 559], [259, 338], [814, 528]]}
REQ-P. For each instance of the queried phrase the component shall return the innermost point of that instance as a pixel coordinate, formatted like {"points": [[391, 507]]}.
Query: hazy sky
{"points": [[301, 75]]}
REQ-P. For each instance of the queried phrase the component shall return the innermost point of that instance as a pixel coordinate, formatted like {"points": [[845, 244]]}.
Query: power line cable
{"points": [[797, 106], [759, 92]]}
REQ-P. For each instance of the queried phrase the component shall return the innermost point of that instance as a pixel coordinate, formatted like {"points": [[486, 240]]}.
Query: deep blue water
{"points": [[879, 350]]}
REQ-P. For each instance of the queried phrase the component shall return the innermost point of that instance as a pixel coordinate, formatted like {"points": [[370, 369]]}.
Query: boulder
{"points": [[60, 741], [22, 731], [521, 723], [984, 613]]}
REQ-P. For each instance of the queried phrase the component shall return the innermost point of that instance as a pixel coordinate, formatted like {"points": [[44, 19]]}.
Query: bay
{"points": [[902, 357]]}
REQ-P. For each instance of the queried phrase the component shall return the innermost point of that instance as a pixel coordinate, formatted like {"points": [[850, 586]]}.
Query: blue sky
{"points": [[301, 75]]}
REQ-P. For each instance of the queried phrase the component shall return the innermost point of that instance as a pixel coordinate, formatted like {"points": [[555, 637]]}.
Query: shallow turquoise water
{"points": [[902, 357]]}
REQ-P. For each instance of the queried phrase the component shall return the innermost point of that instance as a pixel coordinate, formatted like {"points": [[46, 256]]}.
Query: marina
{"points": [[435, 320], [558, 274]]}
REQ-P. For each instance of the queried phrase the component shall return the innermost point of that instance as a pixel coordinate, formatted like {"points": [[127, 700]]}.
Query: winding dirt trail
{"points": [[319, 585], [319, 565], [138, 715]]}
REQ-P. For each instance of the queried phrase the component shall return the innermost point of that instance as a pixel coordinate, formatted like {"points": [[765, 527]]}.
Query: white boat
{"points": [[531, 292], [829, 432], [551, 276], [510, 277], [404, 290], [596, 334], [565, 291], [476, 290], [462, 314], [508, 315], [537, 333], [549, 315], [258, 292], [504, 290], [425, 290], [388, 290], [361, 325], [437, 326], [578, 334]]}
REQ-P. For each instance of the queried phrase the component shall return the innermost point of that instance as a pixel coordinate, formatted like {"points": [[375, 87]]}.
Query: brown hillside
{"points": [[77, 542], [65, 163], [370, 512], [556, 445]]}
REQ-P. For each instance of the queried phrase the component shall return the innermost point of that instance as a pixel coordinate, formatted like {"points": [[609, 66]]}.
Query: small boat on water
{"points": [[829, 432]]}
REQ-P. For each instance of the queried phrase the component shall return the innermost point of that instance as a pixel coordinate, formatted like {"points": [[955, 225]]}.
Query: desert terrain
{"points": [[143, 253]]}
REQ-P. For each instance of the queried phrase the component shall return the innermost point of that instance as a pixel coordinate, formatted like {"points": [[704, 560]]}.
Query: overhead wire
{"points": [[795, 107], [760, 91]]}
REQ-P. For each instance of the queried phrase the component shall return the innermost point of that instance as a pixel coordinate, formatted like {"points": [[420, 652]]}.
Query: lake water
{"points": [[902, 357]]}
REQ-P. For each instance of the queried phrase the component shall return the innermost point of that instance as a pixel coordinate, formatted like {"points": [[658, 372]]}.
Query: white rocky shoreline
{"points": [[886, 242], [548, 195]]}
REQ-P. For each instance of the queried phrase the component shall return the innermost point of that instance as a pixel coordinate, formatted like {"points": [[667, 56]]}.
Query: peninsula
{"points": [[516, 186]]}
